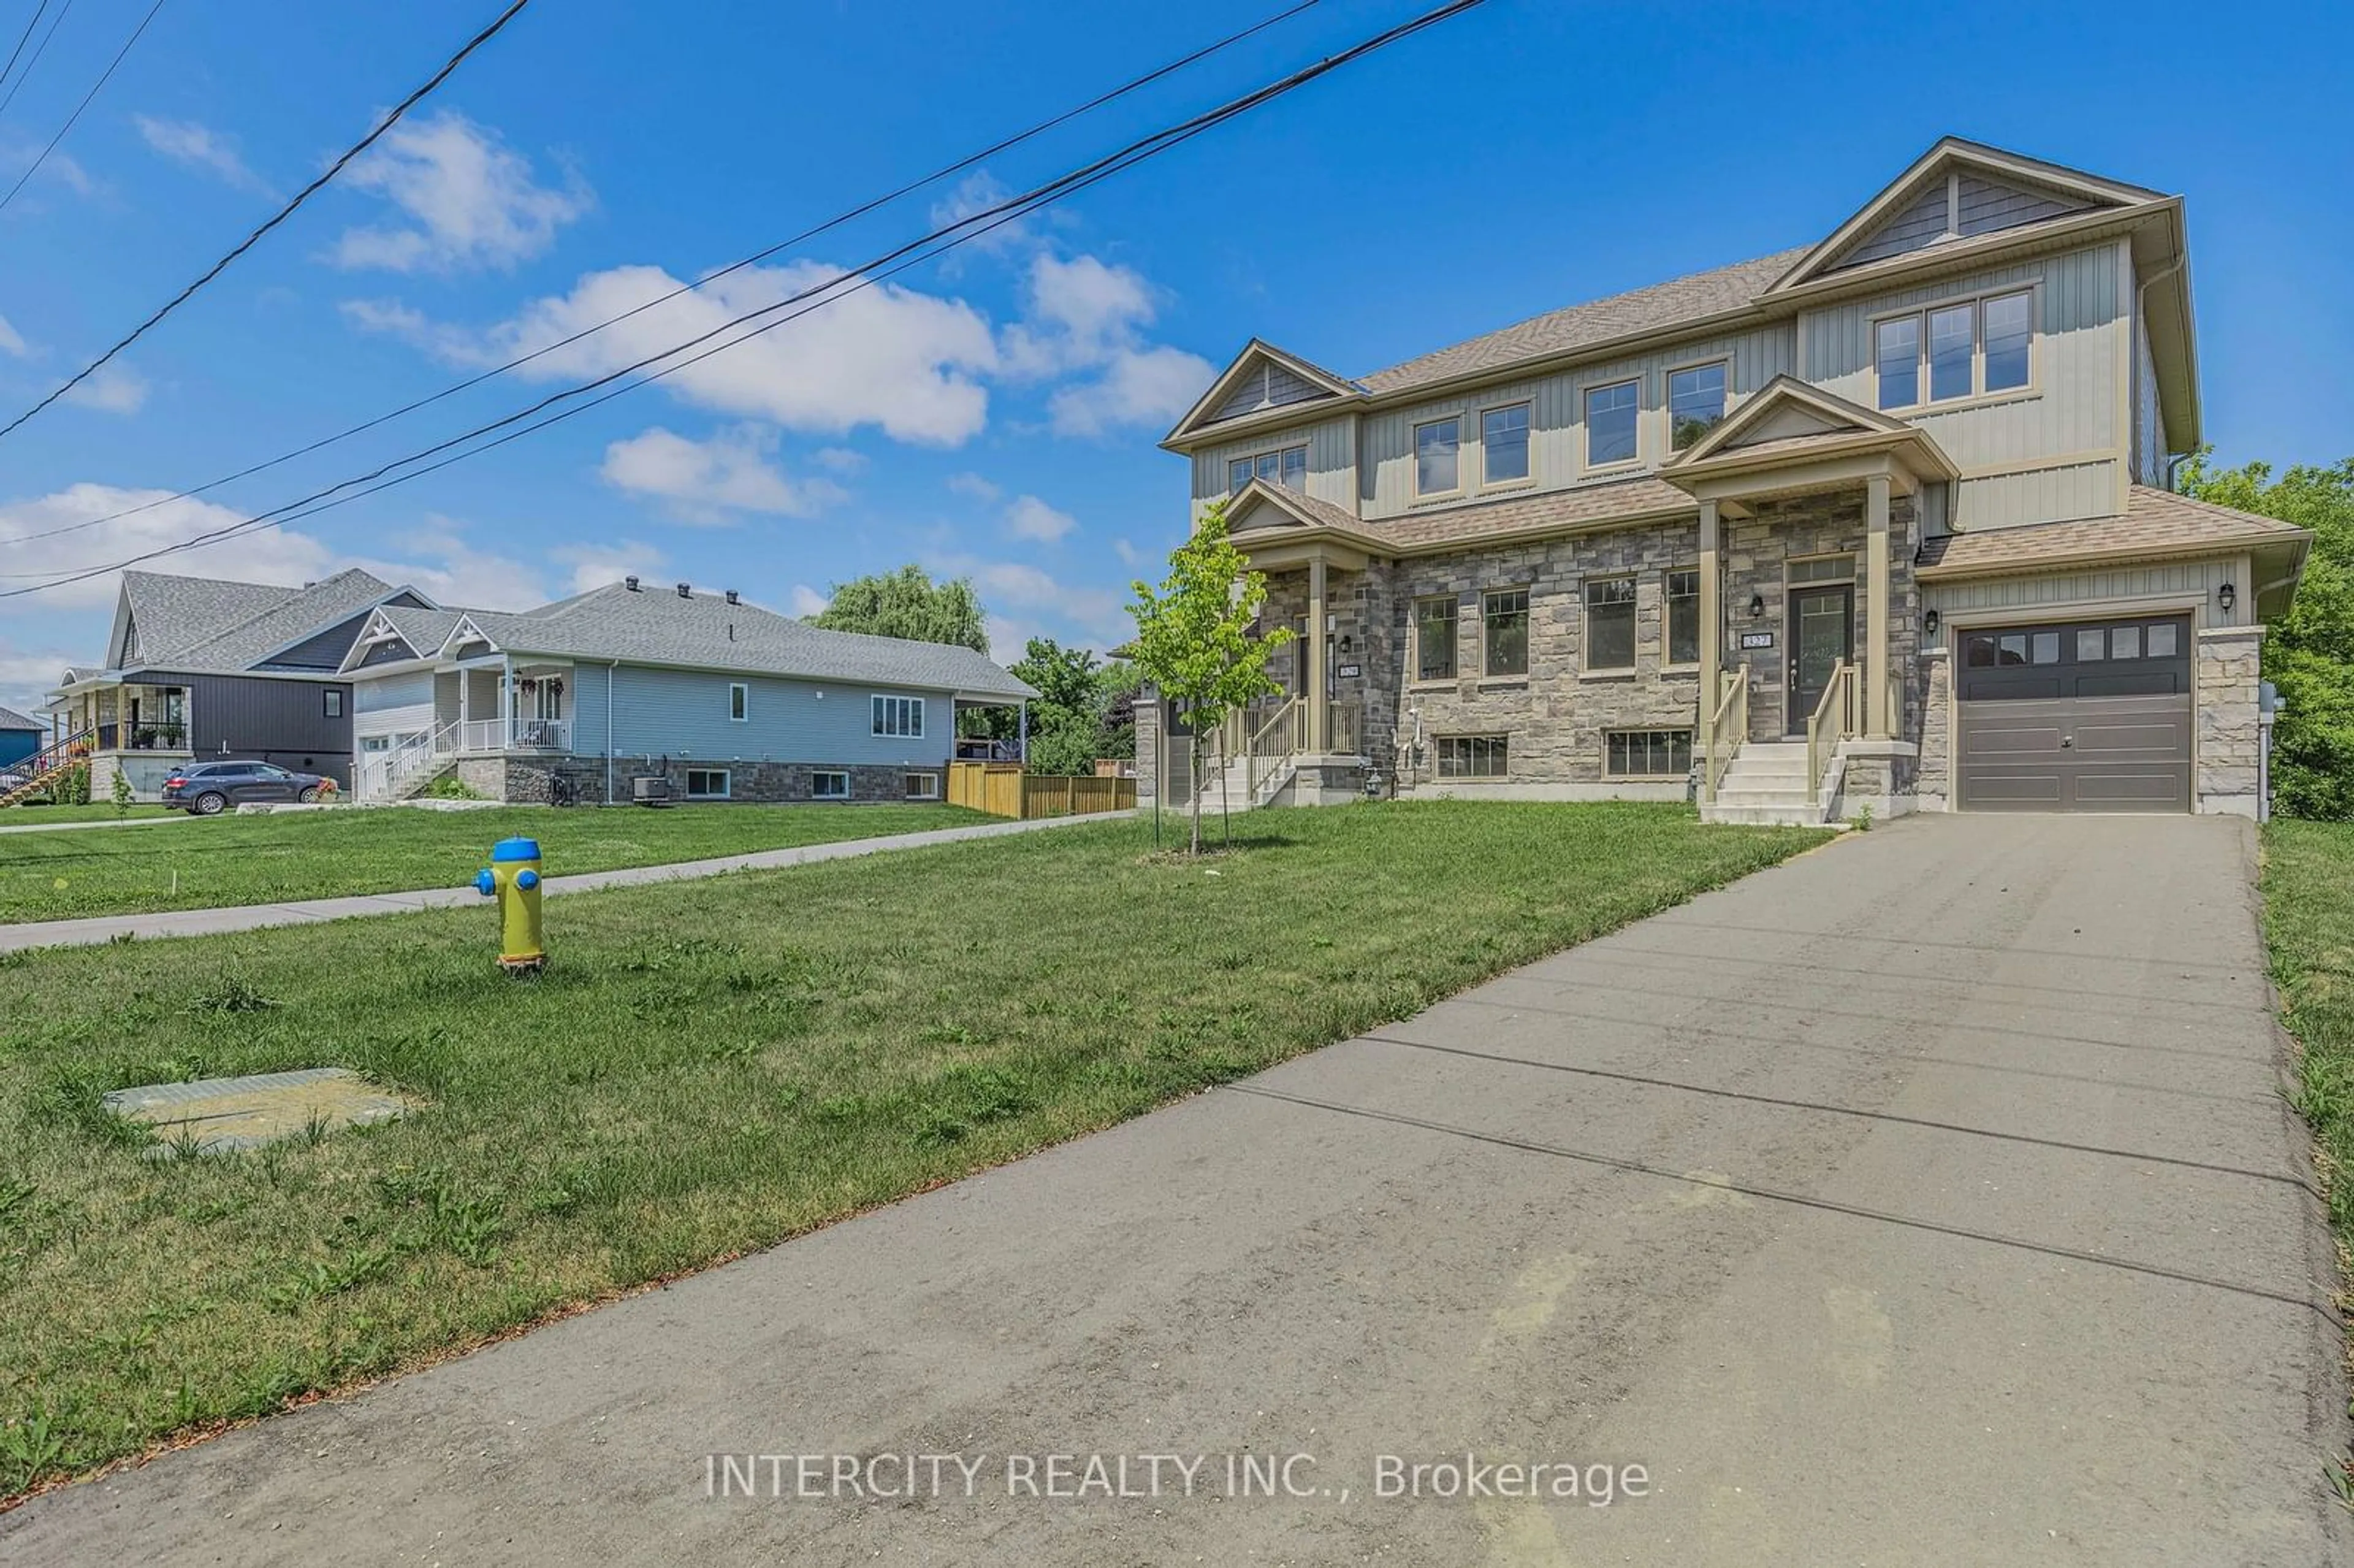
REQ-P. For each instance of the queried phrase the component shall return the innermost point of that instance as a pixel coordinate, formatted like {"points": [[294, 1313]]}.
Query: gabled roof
{"points": [[1788, 421], [2006, 191], [1270, 516], [1283, 380], [2156, 524], [169, 612], [628, 625], [11, 719], [306, 613]]}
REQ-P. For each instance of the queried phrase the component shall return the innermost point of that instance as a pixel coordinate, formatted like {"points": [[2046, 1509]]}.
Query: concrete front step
{"points": [[1763, 816], [1793, 798]]}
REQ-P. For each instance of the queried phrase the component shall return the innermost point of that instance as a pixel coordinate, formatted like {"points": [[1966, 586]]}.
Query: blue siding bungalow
{"points": [[727, 701], [20, 735]]}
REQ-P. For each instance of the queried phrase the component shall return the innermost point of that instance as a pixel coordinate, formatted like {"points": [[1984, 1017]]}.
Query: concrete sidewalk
{"points": [[1930, 1200], [100, 929], [104, 823]]}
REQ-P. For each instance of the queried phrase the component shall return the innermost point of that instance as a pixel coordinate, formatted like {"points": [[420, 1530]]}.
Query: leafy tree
{"points": [[907, 604], [1194, 636], [1070, 721], [1063, 677], [2309, 652], [122, 793]]}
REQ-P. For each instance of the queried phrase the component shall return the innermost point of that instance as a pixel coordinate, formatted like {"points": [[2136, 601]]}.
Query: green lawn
{"points": [[705, 1068], [2308, 885], [34, 816], [325, 854]]}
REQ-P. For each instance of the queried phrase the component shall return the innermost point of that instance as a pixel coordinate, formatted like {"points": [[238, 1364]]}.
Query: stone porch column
{"points": [[1876, 684], [1712, 626], [1317, 740]]}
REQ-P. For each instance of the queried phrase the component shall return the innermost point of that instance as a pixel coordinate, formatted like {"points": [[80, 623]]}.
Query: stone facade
{"points": [[1933, 675], [1757, 553], [530, 781], [2229, 736]]}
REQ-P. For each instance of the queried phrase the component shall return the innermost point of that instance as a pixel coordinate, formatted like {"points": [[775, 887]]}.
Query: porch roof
{"points": [[1293, 517]]}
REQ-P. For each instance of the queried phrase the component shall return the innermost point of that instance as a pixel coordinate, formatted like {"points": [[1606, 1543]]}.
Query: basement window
{"points": [[1472, 756], [706, 783], [1650, 753], [923, 785], [829, 786]]}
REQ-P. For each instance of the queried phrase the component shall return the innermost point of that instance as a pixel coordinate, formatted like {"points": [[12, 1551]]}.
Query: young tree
{"points": [[2309, 652], [907, 604], [1194, 636]]}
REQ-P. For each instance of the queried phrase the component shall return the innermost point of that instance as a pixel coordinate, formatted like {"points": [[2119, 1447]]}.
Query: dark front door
{"points": [[1822, 632]]}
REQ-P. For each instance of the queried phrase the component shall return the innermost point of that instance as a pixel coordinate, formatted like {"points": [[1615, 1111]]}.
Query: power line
{"points": [[30, 23], [281, 215], [959, 166], [39, 49], [103, 77], [930, 246]]}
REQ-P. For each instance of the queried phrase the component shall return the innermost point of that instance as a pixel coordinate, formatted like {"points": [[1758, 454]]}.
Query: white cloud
{"points": [[885, 356], [1096, 617], [1087, 316], [594, 565], [1130, 555], [11, 341], [1030, 518], [709, 482], [200, 147], [806, 600], [26, 677], [114, 388], [972, 485], [437, 558], [472, 200], [976, 192], [841, 460]]}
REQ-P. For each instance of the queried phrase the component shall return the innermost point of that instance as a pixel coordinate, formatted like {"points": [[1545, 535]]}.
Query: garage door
{"points": [[2090, 715]]}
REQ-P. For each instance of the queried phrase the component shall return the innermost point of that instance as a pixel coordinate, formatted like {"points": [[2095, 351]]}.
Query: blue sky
{"points": [[996, 414]]}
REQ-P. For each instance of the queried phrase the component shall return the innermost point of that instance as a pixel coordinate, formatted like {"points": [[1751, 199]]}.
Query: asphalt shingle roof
{"points": [[171, 613], [706, 631], [303, 612], [11, 719], [1686, 299], [2155, 523], [1642, 496]]}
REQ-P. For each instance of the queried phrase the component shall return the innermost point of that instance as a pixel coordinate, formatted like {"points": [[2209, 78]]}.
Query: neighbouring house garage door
{"points": [[2077, 716]]}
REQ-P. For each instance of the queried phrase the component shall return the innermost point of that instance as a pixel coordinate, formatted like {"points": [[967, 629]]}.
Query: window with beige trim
{"points": [[1648, 754], [1610, 623], [1434, 638], [1610, 423], [1504, 614], [1473, 756], [1683, 615], [1287, 467], [1504, 444], [1695, 403], [1436, 445], [1949, 351]]}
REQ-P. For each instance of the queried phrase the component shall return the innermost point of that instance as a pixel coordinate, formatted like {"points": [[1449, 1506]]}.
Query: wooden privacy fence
{"points": [[1004, 790]]}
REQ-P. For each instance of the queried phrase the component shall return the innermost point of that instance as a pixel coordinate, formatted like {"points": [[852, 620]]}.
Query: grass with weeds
{"points": [[329, 854], [101, 811], [2310, 932], [703, 1069]]}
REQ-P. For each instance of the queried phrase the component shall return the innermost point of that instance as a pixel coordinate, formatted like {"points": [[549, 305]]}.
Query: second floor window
{"points": [[1435, 445], [1955, 351], [1434, 640], [1506, 612], [1695, 403], [899, 717], [1504, 444], [1288, 467], [1683, 616], [1610, 423], [740, 706]]}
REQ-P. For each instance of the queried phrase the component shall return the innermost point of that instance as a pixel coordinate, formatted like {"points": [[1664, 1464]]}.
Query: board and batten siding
{"points": [[682, 714], [1557, 419], [1331, 461], [2071, 409], [1979, 599]]}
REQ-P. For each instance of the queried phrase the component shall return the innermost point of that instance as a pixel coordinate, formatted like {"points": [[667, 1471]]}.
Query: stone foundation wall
{"points": [[2224, 775]]}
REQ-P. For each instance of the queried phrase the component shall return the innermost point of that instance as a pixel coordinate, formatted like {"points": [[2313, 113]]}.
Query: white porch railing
{"points": [[1728, 727], [515, 735], [1833, 720]]}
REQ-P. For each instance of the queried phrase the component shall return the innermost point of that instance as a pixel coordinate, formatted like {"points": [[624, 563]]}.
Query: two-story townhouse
{"points": [[1881, 521], [727, 701]]}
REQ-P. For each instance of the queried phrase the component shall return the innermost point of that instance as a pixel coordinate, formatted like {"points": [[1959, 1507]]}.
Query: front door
{"points": [[1822, 633]]}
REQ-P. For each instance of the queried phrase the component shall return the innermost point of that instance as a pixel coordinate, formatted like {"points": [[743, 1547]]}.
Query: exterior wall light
{"points": [[2227, 596], [1929, 622], [1756, 605]]}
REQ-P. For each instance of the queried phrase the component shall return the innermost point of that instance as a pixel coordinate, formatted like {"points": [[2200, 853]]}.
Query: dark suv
{"points": [[207, 789]]}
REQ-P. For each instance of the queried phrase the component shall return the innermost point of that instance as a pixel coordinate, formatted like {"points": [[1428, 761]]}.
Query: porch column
{"points": [[507, 703], [1315, 704], [1876, 685], [1712, 626]]}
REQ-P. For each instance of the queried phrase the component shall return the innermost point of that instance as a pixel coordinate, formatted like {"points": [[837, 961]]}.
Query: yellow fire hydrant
{"points": [[513, 877]]}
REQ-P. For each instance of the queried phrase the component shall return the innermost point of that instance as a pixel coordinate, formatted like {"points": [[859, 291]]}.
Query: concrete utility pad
{"points": [[226, 1114]]}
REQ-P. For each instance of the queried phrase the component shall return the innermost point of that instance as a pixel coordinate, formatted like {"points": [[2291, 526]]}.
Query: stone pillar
{"points": [[1712, 626], [1933, 781], [1149, 741], [1877, 687], [1315, 650], [2224, 777]]}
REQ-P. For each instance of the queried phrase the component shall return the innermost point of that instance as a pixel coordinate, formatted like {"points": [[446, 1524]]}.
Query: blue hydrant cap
{"points": [[516, 849], [526, 879], [484, 883]]}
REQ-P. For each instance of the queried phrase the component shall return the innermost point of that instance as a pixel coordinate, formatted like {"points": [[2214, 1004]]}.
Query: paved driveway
{"points": [[1929, 1200]]}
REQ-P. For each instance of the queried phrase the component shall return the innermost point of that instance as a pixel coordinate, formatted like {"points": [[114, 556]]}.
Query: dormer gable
{"points": [[1260, 379], [1957, 192]]}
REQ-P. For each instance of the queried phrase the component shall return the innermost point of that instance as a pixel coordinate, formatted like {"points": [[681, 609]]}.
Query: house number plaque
{"points": [[1757, 639]]}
